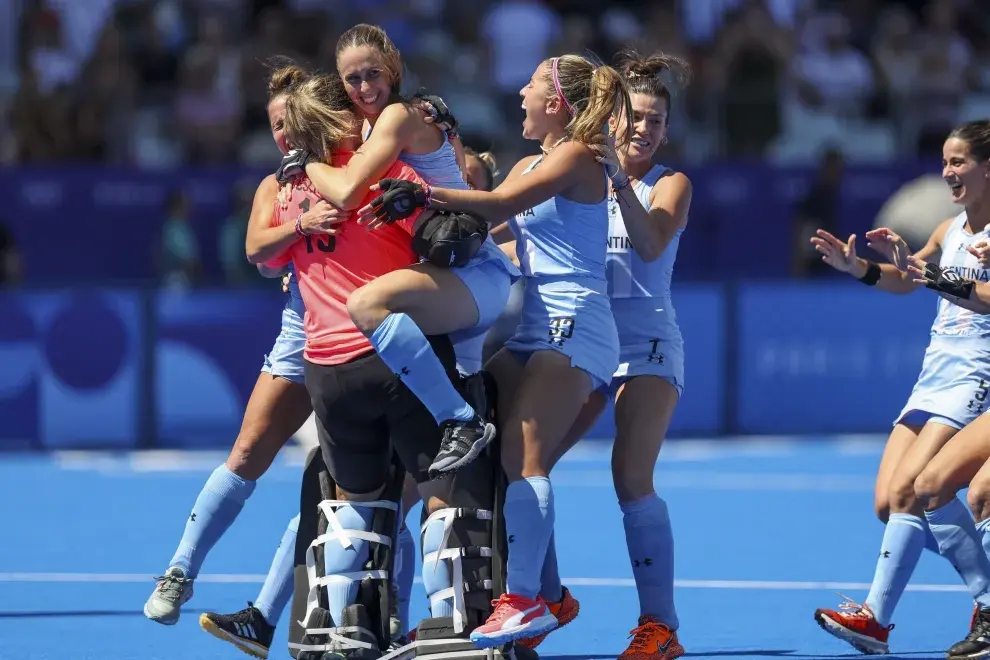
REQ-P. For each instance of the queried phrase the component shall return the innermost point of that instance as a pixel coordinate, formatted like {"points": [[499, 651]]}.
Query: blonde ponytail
{"points": [[592, 95]]}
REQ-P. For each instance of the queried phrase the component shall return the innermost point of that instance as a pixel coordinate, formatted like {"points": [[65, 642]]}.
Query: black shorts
{"points": [[363, 412]]}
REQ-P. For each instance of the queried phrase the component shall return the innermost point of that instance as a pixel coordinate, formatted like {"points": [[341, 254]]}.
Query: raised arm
{"points": [[559, 172], [346, 187], [842, 256], [650, 231]]}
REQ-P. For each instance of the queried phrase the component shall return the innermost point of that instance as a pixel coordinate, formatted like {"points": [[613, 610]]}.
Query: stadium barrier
{"points": [[140, 368]]}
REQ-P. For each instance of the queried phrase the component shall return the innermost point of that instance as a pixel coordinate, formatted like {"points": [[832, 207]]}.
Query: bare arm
{"points": [[265, 242], [558, 172], [893, 280], [979, 300], [650, 231], [842, 256], [346, 187], [269, 272]]}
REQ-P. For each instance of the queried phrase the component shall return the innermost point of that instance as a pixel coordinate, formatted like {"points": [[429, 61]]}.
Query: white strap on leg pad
{"points": [[337, 533], [455, 556]]}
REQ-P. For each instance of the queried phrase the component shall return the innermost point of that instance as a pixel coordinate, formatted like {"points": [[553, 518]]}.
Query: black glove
{"points": [[440, 113], [293, 165], [399, 199], [947, 281]]}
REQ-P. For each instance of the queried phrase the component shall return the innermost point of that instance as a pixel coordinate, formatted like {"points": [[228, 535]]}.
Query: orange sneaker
{"points": [[856, 625], [652, 640], [564, 610]]}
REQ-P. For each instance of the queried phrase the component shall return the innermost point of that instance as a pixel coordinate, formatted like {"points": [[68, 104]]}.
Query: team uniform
{"points": [[561, 248], [250, 629], [360, 404], [219, 504], [488, 276], [955, 375], [285, 360], [650, 342], [951, 390], [565, 307]]}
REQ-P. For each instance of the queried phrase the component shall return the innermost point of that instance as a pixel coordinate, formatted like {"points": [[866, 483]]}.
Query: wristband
{"points": [[872, 275], [298, 227], [623, 183]]}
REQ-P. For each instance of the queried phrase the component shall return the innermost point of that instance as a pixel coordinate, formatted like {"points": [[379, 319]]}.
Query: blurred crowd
{"points": [[160, 83]]}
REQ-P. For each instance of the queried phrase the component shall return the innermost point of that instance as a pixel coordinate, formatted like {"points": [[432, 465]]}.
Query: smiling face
{"points": [[965, 176], [649, 127], [367, 79]]}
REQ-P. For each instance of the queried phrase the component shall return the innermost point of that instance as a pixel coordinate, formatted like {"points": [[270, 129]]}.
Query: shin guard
{"points": [[364, 630]]}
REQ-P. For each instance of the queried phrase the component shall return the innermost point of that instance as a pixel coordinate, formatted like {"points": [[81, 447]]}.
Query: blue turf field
{"points": [[767, 530]]}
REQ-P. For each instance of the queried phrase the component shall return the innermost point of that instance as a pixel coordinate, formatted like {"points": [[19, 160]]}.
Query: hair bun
{"points": [[286, 77]]}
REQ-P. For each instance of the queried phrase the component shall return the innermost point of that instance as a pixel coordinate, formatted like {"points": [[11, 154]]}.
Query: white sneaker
{"points": [[173, 591]]}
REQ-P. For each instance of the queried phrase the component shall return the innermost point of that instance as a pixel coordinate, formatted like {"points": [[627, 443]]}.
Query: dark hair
{"points": [[976, 134], [373, 36], [285, 76], [319, 114], [488, 160], [655, 74]]}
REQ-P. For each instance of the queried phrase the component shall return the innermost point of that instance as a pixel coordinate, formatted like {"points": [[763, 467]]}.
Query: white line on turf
{"points": [[755, 585]]}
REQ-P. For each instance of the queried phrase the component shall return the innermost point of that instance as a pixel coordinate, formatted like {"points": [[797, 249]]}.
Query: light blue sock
{"points": [[930, 542], [405, 572], [339, 559], [983, 529], [277, 589], [960, 543], [404, 348], [550, 588], [215, 510], [529, 518], [650, 542], [903, 541], [436, 575]]}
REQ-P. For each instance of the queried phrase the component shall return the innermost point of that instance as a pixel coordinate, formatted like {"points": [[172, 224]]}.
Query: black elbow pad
{"points": [[450, 239]]}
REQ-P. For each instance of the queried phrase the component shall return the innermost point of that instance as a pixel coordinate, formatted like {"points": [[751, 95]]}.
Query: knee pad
{"points": [[364, 630]]}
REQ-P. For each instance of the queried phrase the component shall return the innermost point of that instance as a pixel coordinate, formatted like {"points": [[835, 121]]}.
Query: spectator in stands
{"points": [[818, 209], [233, 233], [179, 261], [746, 73], [10, 260], [832, 77]]}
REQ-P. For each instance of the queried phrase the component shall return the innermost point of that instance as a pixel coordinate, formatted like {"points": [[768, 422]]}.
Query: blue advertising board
{"points": [[138, 368]]}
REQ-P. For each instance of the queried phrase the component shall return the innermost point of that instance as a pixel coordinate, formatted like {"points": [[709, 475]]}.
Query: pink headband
{"points": [[556, 86]]}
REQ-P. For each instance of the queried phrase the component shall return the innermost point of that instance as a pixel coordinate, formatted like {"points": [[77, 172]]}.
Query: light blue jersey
{"points": [[649, 338], [953, 320], [954, 383], [488, 276], [561, 246], [286, 357]]}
